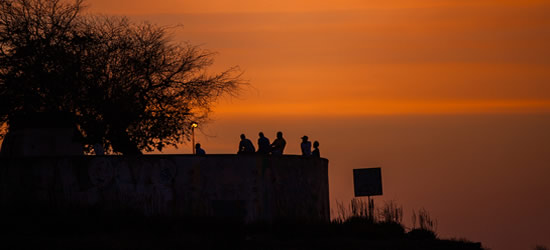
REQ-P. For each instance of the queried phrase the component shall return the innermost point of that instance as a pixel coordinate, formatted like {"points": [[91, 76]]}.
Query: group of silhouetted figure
{"points": [[264, 147]]}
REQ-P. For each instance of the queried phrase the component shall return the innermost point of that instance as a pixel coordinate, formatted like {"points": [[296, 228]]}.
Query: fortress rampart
{"points": [[249, 187]]}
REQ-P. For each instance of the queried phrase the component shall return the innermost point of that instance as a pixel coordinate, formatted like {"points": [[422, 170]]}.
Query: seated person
{"points": [[316, 152], [245, 146], [199, 150], [278, 145], [263, 144], [306, 146]]}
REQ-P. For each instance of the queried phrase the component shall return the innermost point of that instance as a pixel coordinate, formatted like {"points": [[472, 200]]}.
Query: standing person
{"points": [[199, 150], [278, 145], [306, 146], [316, 152], [263, 144], [245, 146], [98, 149]]}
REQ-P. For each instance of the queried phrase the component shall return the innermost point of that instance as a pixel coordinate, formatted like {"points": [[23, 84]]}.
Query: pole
{"points": [[370, 206], [193, 126], [193, 138]]}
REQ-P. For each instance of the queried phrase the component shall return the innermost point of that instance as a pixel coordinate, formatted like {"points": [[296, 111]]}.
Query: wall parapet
{"points": [[249, 187]]}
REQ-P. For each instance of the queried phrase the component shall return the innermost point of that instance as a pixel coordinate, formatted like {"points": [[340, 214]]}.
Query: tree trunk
{"points": [[121, 143]]}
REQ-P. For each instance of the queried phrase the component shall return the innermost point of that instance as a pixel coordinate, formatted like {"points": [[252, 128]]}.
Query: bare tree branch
{"points": [[128, 86]]}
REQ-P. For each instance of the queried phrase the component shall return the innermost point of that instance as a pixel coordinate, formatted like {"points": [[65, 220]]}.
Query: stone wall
{"points": [[41, 142], [250, 187], [42, 134]]}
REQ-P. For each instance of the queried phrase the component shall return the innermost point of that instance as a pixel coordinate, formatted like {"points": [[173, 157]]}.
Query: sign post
{"points": [[368, 182]]}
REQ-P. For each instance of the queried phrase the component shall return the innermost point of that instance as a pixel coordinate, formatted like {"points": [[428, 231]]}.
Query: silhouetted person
{"points": [[199, 150], [316, 152], [263, 144], [278, 145], [245, 146], [306, 146], [98, 149]]}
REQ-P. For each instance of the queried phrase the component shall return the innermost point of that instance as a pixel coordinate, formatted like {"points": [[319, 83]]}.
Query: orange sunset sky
{"points": [[369, 57], [450, 97]]}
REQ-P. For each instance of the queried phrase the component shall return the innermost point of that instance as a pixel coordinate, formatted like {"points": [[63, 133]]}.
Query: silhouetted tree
{"points": [[127, 85]]}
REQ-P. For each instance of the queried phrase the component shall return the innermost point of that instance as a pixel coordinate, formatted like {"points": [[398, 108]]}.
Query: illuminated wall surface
{"points": [[253, 188]]}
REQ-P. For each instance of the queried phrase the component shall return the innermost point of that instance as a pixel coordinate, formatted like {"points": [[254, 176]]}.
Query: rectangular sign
{"points": [[367, 181]]}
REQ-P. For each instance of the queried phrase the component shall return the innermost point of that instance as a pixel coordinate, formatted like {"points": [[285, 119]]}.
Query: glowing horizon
{"points": [[385, 107]]}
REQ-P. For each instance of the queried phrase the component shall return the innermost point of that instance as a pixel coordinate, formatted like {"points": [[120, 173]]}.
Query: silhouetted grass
{"points": [[425, 222], [426, 228], [390, 212], [385, 222]]}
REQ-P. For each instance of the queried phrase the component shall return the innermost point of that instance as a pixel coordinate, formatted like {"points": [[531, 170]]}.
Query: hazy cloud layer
{"points": [[452, 54]]}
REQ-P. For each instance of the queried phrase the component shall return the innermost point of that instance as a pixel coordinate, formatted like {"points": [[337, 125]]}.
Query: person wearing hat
{"points": [[306, 146]]}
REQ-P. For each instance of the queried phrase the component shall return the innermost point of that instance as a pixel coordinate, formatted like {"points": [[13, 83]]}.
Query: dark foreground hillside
{"points": [[127, 232]]}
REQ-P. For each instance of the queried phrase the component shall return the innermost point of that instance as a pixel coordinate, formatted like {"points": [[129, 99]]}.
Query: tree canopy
{"points": [[128, 86]]}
